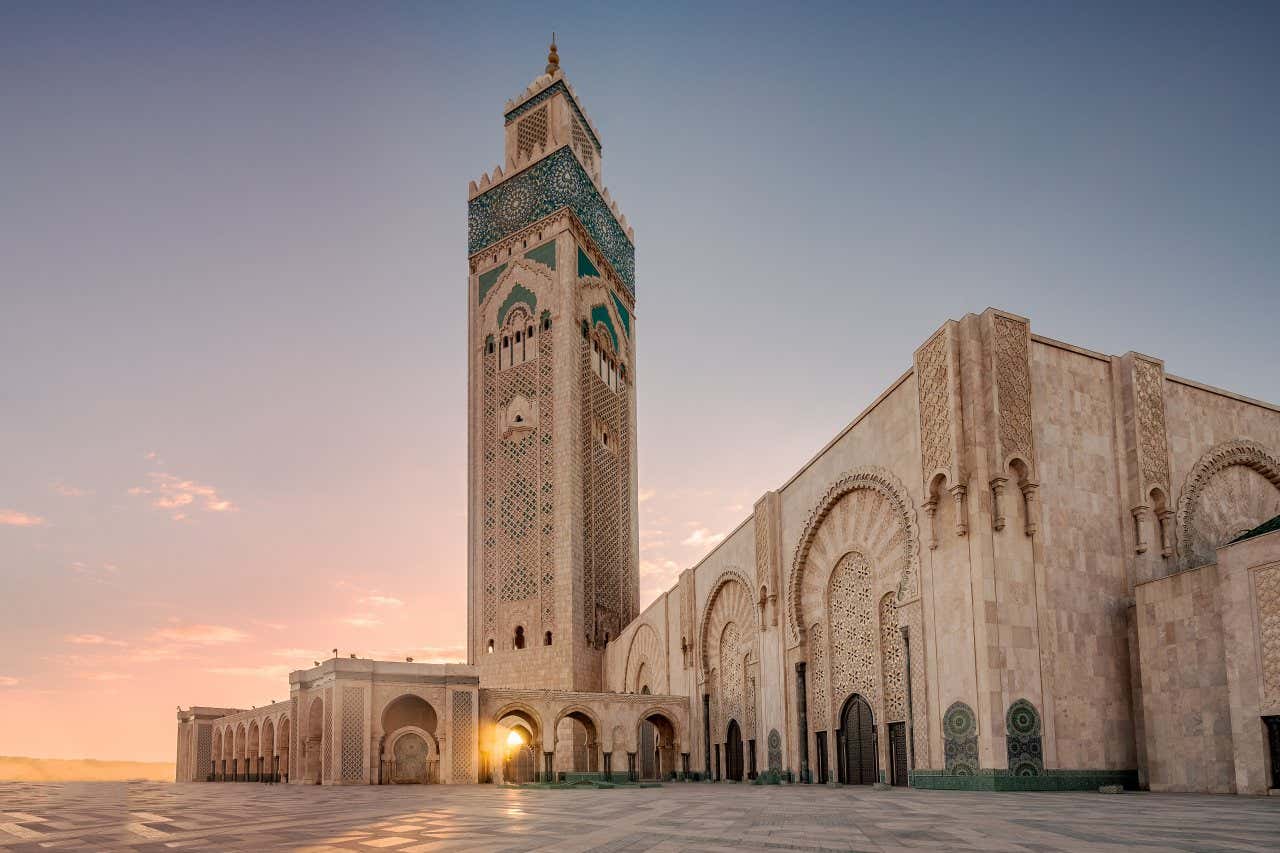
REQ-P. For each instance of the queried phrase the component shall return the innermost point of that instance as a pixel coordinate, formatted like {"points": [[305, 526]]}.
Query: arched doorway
{"points": [[519, 764], [411, 758], [312, 744], [578, 742], [733, 752], [409, 755], [268, 752], [857, 738], [282, 739], [657, 747]]}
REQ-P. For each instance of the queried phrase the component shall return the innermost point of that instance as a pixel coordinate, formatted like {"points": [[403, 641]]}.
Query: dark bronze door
{"points": [[858, 742], [733, 752], [898, 752], [1273, 739]]}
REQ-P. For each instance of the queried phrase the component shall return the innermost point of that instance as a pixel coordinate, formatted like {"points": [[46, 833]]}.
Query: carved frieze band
{"points": [[768, 521], [1009, 346], [1148, 448], [937, 368]]}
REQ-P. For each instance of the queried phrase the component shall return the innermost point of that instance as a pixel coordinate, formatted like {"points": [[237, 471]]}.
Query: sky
{"points": [[233, 286]]}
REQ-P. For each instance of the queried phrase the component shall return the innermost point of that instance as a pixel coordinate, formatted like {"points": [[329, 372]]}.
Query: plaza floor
{"points": [[154, 816]]}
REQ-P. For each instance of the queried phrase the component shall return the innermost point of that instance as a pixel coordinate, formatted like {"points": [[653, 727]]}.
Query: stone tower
{"points": [[552, 565]]}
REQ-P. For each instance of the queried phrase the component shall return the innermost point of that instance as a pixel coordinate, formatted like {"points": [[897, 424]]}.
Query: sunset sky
{"points": [[233, 277]]}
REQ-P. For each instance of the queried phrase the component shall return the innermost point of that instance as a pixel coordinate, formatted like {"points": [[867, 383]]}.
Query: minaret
{"points": [[552, 562]]}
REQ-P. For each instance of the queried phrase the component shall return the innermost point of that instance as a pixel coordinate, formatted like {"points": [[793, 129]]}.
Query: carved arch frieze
{"points": [[1191, 522]]}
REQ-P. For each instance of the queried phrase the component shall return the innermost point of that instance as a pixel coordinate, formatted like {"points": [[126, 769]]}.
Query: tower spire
{"points": [[553, 58]]}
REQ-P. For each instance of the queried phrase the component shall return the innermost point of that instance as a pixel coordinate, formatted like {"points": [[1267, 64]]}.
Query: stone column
{"points": [[802, 719]]}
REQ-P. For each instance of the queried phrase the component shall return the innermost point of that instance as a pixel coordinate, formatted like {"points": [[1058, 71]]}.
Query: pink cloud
{"points": [[382, 601], [201, 635], [92, 640], [701, 536], [267, 671], [173, 493], [106, 676], [68, 491], [8, 681], [362, 620], [13, 518]]}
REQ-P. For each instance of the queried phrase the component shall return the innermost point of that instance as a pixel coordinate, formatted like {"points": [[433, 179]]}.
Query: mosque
{"points": [[1025, 566]]}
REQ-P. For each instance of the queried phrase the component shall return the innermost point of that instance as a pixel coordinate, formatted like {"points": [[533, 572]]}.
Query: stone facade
{"points": [[1007, 573]]}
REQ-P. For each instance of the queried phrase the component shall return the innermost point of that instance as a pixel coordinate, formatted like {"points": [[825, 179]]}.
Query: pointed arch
{"points": [[645, 652], [1199, 534], [887, 523], [730, 600]]}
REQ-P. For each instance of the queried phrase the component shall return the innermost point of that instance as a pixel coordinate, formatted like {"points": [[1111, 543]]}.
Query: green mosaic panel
{"points": [[1022, 734], [585, 267], [623, 314], [552, 183], [600, 314], [544, 254], [489, 279], [1004, 780], [519, 293], [546, 95]]}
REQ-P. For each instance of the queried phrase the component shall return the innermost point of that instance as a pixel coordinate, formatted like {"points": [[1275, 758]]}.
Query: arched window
{"points": [[519, 637], [490, 649], [546, 639]]}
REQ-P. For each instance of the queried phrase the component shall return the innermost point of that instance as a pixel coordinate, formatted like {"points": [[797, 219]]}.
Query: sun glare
{"points": [[514, 738]]}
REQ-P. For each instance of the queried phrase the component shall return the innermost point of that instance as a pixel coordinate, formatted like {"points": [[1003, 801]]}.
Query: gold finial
{"points": [[553, 58]]}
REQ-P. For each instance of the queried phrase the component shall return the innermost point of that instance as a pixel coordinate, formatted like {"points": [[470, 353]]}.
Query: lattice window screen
{"points": [[531, 132], [895, 692], [853, 631], [463, 738], [352, 734]]}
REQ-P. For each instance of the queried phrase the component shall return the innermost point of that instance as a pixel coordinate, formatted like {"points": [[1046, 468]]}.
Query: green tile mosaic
{"points": [[623, 314], [1004, 780], [600, 314], [585, 267], [556, 181], [519, 293], [544, 254], [489, 279]]}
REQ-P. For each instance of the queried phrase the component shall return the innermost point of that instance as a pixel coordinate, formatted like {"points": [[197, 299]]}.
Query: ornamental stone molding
{"points": [[645, 652], [1236, 452], [1146, 447], [895, 493], [744, 612], [937, 369], [767, 521]]}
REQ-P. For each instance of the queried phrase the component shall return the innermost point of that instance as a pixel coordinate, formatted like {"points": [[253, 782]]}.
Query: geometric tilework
{"points": [[775, 751], [352, 734], [463, 737], [960, 740], [326, 745], [556, 181], [227, 817], [1022, 731], [1267, 589], [204, 747]]}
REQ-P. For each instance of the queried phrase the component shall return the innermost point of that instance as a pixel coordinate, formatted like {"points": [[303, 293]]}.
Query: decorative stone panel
{"points": [[326, 748], [204, 752], [767, 521], [852, 615], [1147, 451], [1267, 589], [1022, 735], [688, 618], [1010, 352], [352, 756], [463, 737], [937, 369], [818, 701], [960, 740], [891, 662]]}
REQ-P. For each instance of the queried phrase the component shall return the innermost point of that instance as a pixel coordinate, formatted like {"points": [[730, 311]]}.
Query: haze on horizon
{"points": [[234, 242]]}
